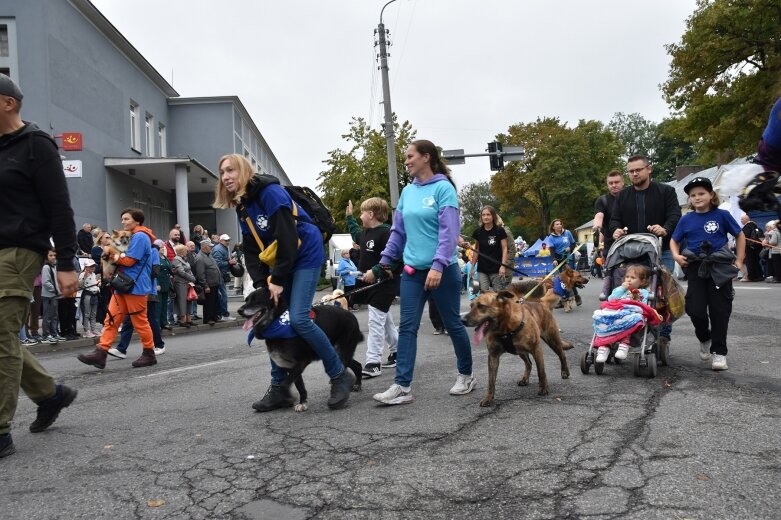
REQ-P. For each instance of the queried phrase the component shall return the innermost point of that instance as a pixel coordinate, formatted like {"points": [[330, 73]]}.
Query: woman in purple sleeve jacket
{"points": [[425, 234]]}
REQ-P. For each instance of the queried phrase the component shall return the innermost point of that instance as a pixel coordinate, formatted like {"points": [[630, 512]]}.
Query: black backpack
{"points": [[314, 207]]}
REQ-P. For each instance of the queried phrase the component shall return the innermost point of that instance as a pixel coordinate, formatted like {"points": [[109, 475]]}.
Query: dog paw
{"points": [[564, 375], [543, 391], [356, 388], [301, 407], [486, 402], [523, 382]]}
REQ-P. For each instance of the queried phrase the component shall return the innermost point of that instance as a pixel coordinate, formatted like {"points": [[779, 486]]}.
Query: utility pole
{"points": [[390, 139]]}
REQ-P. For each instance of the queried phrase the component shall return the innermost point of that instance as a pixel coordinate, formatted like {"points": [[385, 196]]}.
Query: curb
{"points": [[63, 346]]}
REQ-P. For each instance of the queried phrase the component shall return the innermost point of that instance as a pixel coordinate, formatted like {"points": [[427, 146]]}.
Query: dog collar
{"points": [[507, 337]]}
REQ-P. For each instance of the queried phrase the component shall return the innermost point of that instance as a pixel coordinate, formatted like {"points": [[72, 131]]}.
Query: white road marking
{"points": [[182, 369]]}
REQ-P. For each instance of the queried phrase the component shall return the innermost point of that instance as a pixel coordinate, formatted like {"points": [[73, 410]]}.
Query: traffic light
{"points": [[497, 161]]}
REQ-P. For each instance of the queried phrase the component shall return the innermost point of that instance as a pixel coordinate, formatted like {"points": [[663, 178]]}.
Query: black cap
{"points": [[698, 181], [9, 88]]}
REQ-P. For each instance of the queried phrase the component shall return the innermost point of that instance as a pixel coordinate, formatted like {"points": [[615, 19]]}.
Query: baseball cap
{"points": [[698, 181], [9, 88], [224, 237]]}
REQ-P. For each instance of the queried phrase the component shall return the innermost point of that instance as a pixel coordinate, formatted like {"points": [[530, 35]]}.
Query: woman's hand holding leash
{"points": [[275, 291]]}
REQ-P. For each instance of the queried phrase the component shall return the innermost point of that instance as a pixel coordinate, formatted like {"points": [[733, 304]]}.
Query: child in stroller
{"points": [[636, 280]]}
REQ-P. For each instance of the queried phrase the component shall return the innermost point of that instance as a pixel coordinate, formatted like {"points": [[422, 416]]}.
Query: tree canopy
{"points": [[724, 76], [361, 171], [562, 173]]}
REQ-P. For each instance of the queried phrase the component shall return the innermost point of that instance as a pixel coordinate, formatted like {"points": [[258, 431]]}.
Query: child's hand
{"points": [[626, 285], [349, 210], [368, 276], [681, 260]]}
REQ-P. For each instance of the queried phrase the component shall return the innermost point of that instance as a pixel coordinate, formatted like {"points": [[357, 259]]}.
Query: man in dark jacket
{"points": [[647, 207], [208, 276], [84, 239], [36, 206]]}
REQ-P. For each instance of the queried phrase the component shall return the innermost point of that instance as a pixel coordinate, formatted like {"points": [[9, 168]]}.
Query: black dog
{"points": [[295, 354]]}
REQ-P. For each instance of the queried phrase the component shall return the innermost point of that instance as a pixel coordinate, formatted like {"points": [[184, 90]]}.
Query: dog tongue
{"points": [[479, 333], [247, 324]]}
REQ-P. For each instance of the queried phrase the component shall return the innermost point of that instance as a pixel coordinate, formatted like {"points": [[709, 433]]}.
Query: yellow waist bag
{"points": [[268, 254]]}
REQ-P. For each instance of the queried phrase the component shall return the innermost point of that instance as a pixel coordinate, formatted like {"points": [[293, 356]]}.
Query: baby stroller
{"points": [[644, 249]]}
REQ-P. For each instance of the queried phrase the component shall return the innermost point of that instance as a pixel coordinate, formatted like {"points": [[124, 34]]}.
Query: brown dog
{"points": [[120, 241], [545, 293], [515, 328]]}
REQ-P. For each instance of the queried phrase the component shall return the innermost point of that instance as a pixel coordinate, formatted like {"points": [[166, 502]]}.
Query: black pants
{"points": [[211, 304], [709, 309], [753, 269], [66, 310]]}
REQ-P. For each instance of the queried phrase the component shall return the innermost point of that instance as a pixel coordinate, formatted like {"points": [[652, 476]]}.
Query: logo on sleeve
{"points": [[262, 222], [711, 227]]}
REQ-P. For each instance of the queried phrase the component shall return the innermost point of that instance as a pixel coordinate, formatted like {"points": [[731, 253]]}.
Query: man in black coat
{"points": [[647, 207]]}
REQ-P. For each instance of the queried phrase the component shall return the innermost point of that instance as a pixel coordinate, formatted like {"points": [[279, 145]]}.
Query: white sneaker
{"points": [[602, 354], [395, 395], [705, 350], [623, 350], [159, 351], [464, 384], [719, 362], [116, 353]]}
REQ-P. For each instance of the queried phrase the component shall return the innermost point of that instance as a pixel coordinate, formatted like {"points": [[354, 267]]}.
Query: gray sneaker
{"points": [[719, 362], [705, 350], [464, 384]]}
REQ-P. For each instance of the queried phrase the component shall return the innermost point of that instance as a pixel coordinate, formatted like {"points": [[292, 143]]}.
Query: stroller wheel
{"points": [[598, 368], [645, 367], [585, 363]]}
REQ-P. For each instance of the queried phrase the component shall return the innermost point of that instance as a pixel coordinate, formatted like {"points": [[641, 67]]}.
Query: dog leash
{"points": [[553, 271], [346, 295], [466, 246]]}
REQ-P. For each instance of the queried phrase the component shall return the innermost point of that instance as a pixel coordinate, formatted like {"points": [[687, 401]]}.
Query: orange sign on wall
{"points": [[71, 141]]}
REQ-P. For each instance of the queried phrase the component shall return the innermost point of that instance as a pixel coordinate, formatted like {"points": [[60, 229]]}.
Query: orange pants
{"points": [[119, 305]]}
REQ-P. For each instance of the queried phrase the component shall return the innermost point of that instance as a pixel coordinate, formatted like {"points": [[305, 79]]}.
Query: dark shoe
{"points": [[188, 324], [276, 397], [6, 445], [96, 358], [372, 370], [391, 361], [147, 359], [49, 409], [341, 386]]}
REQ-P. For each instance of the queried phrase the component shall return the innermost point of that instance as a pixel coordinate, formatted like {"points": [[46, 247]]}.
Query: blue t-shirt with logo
{"points": [[420, 205], [712, 226], [140, 248], [261, 209]]}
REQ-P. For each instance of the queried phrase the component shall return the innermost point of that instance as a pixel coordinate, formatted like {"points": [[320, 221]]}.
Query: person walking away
{"points": [[265, 212], [33, 197], [647, 207], [208, 276], [709, 267], [491, 246], [424, 235], [372, 236], [136, 264]]}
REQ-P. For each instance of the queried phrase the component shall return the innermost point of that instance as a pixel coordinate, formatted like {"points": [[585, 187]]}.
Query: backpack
{"points": [[511, 249], [314, 207]]}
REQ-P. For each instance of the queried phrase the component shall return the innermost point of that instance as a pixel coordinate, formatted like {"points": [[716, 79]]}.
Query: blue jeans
{"points": [[127, 328], [223, 300], [447, 298], [299, 292], [665, 330]]}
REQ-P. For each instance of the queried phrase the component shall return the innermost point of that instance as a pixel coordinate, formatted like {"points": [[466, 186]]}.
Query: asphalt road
{"points": [[180, 440]]}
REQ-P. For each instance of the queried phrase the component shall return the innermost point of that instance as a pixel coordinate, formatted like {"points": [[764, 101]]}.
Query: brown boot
{"points": [[147, 358], [96, 358]]}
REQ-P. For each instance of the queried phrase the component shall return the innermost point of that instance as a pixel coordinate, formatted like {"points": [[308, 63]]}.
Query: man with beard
{"points": [[647, 207], [603, 212]]}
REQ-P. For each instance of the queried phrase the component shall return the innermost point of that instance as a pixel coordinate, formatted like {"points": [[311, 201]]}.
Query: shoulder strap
{"points": [[251, 226]]}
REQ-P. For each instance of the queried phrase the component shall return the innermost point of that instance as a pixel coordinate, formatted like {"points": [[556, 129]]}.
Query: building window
{"points": [[149, 136], [9, 64], [161, 145], [134, 127]]}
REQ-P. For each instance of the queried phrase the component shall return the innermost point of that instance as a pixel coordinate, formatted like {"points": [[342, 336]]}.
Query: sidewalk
{"points": [[234, 302]]}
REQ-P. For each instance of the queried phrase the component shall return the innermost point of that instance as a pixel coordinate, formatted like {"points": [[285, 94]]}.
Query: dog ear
{"points": [[504, 296]]}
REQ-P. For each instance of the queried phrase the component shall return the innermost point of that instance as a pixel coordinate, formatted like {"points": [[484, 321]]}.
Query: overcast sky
{"points": [[461, 71]]}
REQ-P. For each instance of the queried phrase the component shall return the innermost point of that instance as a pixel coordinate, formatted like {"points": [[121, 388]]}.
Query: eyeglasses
{"points": [[637, 170]]}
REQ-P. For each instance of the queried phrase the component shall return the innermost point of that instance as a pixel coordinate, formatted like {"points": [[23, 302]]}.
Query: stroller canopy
{"points": [[633, 247]]}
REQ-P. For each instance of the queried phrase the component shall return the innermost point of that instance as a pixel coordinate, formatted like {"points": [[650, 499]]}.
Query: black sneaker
{"points": [[391, 361], [276, 397], [49, 409], [6, 445], [341, 386], [372, 370]]}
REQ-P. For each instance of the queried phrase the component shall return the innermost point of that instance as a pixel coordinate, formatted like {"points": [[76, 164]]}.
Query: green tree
{"points": [[636, 132], [471, 198], [562, 173], [670, 151], [361, 171], [724, 75]]}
